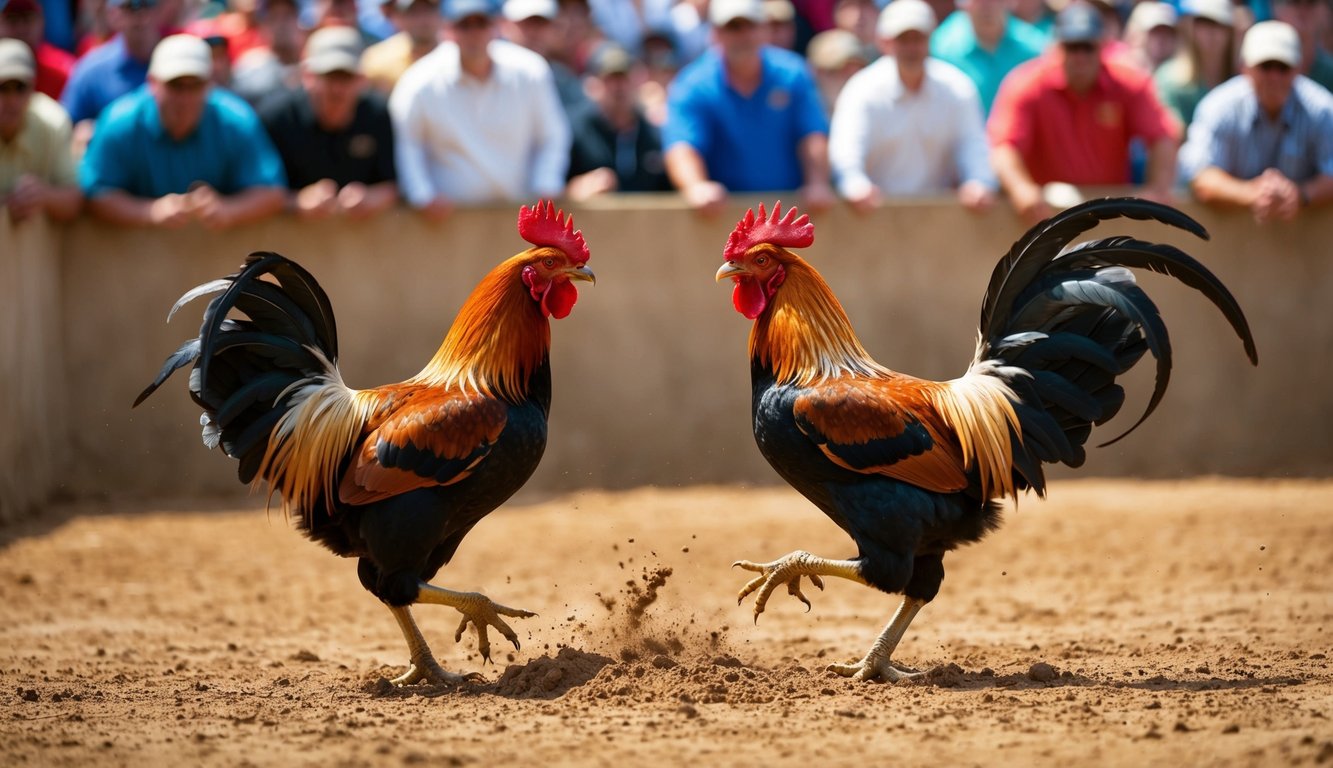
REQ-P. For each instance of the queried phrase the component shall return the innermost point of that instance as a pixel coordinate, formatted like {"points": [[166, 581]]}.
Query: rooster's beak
{"points": [[729, 269], [581, 273]]}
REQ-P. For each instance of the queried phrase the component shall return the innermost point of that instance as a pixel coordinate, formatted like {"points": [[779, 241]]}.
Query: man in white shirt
{"points": [[477, 120], [908, 124]]}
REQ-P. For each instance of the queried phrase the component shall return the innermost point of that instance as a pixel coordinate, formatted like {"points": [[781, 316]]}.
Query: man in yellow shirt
{"points": [[418, 23], [36, 166]]}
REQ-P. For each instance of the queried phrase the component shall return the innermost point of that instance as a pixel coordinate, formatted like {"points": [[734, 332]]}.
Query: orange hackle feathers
{"points": [[787, 231], [546, 226]]}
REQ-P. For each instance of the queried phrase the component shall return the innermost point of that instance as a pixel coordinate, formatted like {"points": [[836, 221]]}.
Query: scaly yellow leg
{"points": [[876, 665], [422, 666]]}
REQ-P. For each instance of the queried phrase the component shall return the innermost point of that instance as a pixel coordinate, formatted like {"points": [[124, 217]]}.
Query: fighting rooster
{"points": [[397, 475], [910, 468]]}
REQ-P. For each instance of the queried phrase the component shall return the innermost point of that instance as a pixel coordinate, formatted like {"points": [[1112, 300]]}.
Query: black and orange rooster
{"points": [[913, 468], [399, 474]]}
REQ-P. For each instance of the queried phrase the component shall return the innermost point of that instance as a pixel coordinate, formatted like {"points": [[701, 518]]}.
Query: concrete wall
{"points": [[650, 370]]}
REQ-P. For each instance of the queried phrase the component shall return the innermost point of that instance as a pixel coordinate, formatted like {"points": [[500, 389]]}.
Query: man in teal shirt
{"points": [[985, 41], [178, 150]]}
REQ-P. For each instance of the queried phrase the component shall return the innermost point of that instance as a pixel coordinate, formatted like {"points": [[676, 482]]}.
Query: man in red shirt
{"points": [[1070, 115], [23, 20]]}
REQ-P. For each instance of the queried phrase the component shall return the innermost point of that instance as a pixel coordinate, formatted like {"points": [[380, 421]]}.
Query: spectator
{"points": [[615, 148], [531, 24], [909, 124], [661, 65], [340, 13], [24, 20], [857, 17], [986, 42], [276, 64], [478, 120], [219, 47], [1205, 60], [179, 149], [1070, 115], [334, 135], [627, 22], [36, 167], [780, 23], [1308, 18], [1038, 13], [1264, 140], [114, 68], [835, 55], [746, 117], [1150, 34], [418, 24]]}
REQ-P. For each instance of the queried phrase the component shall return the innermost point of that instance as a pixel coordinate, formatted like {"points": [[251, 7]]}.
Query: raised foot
{"points": [[481, 612], [427, 670], [785, 570], [871, 670]]}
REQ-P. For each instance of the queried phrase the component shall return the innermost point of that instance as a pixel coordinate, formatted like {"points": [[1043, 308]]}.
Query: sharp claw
{"points": [[817, 580]]}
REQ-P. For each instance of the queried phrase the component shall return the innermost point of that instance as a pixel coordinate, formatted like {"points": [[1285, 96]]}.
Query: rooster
{"points": [[396, 475], [911, 468]]}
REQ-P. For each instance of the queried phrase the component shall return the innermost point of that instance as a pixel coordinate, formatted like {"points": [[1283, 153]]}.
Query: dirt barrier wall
{"points": [[650, 370]]}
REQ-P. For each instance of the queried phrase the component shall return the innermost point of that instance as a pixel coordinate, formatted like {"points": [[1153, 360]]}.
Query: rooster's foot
{"points": [[427, 670], [786, 570], [478, 610], [872, 669]]}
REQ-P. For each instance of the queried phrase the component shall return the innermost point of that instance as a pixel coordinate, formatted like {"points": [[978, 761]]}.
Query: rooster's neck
{"points": [[498, 340], [804, 335]]}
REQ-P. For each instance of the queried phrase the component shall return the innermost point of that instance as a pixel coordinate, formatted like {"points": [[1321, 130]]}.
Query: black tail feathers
{"points": [[1065, 322], [243, 367]]}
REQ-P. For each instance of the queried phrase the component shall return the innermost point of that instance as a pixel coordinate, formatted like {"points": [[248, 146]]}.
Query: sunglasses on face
{"points": [[1274, 66], [14, 86], [471, 23], [186, 84]]}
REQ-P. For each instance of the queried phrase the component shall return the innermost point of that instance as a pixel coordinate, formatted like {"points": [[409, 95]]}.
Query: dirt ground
{"points": [[1119, 623]]}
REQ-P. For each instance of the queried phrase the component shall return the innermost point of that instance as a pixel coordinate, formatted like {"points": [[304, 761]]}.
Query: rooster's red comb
{"points": [[544, 225], [787, 231]]}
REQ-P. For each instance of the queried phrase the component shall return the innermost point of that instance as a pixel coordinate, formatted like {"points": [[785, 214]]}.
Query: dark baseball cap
{"points": [[1078, 23]]}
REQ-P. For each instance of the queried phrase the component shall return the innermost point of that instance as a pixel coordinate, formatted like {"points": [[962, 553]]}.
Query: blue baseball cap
{"points": [[1078, 23], [455, 10]]}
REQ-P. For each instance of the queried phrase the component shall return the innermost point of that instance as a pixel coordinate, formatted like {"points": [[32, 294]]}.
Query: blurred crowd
{"points": [[161, 112]]}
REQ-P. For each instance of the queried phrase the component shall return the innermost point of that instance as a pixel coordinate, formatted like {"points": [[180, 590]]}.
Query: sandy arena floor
{"points": [[1119, 623]]}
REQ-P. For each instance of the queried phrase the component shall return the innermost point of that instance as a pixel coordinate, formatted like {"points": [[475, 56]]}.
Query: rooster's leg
{"points": [[789, 570], [478, 610], [876, 664], [423, 667]]}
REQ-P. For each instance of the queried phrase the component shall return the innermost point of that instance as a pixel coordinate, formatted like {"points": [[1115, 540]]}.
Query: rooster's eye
{"points": [[548, 262], [761, 261]]}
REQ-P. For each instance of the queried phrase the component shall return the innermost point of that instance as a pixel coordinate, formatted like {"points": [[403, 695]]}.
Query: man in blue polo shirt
{"points": [[116, 67], [746, 117], [178, 150]]}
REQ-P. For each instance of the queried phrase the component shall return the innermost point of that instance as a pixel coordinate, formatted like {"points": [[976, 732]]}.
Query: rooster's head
{"points": [[756, 255], [558, 257]]}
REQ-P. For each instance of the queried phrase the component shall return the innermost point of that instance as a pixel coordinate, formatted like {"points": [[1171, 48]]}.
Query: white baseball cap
{"points": [[1271, 41], [723, 12], [180, 56], [902, 16], [1213, 10], [1149, 15], [16, 61], [518, 10]]}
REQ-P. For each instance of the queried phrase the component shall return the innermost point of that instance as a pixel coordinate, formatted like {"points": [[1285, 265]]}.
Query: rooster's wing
{"points": [[420, 437], [883, 427]]}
